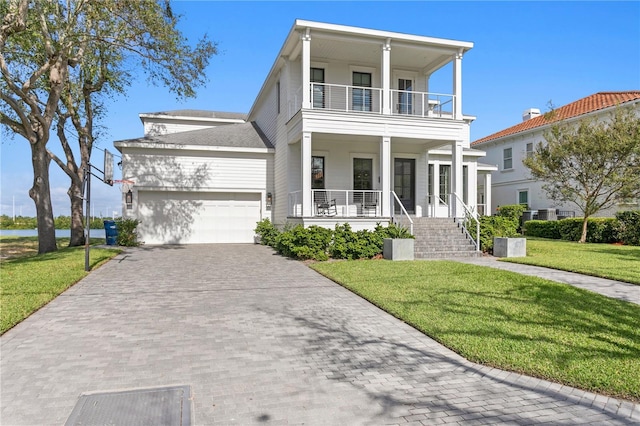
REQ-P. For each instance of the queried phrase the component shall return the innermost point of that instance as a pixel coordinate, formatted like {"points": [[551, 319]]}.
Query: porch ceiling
{"points": [[331, 137], [369, 52]]}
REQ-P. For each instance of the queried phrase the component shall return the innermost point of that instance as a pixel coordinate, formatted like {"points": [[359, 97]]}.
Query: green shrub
{"points": [[496, 226], [512, 211], [267, 231], [347, 244], [542, 228], [629, 227], [304, 243], [599, 229], [127, 235]]}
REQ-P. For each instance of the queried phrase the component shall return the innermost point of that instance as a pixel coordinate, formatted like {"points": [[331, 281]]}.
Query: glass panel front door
{"points": [[404, 178], [317, 76], [361, 98]]}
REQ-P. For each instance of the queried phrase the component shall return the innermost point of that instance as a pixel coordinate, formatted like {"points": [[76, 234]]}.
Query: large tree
{"points": [[56, 55], [593, 163]]}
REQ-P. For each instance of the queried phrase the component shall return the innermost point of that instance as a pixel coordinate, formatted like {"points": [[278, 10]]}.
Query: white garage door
{"points": [[196, 217]]}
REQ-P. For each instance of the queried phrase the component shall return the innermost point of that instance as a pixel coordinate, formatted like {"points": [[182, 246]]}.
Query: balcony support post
{"points": [[385, 175], [457, 85], [306, 69], [386, 77], [305, 169]]}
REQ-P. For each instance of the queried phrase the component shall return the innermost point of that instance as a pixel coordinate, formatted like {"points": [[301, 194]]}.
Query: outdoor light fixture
{"points": [[128, 199], [269, 200]]}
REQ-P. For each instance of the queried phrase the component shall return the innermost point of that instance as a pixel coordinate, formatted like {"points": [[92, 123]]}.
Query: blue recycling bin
{"points": [[110, 232]]}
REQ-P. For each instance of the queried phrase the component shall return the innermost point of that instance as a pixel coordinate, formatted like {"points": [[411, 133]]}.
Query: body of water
{"points": [[60, 233]]}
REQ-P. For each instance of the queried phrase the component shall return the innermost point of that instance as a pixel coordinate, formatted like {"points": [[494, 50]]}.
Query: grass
{"points": [[507, 320], [616, 262], [28, 281]]}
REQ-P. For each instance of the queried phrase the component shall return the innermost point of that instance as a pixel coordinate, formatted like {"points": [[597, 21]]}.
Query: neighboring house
{"points": [[507, 148], [350, 125]]}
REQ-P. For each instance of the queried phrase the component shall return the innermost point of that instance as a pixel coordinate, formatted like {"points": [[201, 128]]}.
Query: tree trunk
{"points": [[583, 238], [77, 216], [40, 192]]}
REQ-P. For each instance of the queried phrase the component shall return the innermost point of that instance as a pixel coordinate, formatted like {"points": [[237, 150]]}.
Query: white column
{"points": [[385, 175], [456, 177], [435, 200], [305, 157], [472, 186], [428, 191], [457, 85], [306, 69], [487, 194], [386, 77]]}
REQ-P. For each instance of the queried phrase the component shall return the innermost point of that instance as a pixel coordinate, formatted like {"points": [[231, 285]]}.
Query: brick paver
{"points": [[260, 339]]}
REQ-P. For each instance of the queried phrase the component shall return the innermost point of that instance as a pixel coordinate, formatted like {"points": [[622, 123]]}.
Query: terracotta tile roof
{"points": [[600, 100]]}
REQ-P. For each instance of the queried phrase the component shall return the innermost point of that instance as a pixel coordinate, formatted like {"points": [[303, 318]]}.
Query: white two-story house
{"points": [[350, 125], [512, 183]]}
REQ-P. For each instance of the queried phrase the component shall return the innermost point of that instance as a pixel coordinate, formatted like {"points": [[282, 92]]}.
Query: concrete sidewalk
{"points": [[260, 339], [606, 287]]}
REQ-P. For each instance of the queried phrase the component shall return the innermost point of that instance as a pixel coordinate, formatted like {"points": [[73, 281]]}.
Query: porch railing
{"points": [[467, 220], [403, 212], [338, 203], [422, 104]]}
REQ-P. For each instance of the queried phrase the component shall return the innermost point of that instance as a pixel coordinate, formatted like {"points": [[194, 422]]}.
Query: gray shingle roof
{"points": [[197, 113], [245, 135]]}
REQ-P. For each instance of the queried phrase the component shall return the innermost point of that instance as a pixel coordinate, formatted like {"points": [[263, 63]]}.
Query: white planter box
{"points": [[398, 248], [509, 247]]}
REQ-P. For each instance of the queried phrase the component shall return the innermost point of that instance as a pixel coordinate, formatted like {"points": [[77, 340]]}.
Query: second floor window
{"points": [[361, 98], [317, 84], [507, 158], [529, 149]]}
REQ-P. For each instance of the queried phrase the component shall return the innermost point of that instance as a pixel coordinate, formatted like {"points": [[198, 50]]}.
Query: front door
{"points": [[404, 182]]}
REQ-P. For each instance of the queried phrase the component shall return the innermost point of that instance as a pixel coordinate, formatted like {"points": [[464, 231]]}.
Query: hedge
{"points": [[629, 227], [599, 229]]}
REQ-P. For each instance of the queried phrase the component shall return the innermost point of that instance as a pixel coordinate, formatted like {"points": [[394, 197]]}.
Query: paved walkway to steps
{"points": [[260, 339], [609, 288]]}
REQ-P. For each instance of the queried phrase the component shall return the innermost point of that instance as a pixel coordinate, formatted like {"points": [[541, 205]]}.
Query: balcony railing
{"points": [[337, 97], [422, 104], [338, 203]]}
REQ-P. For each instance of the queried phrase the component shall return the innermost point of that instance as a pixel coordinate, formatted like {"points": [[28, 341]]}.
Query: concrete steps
{"points": [[440, 238]]}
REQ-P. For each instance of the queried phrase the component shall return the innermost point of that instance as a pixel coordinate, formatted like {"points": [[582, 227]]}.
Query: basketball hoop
{"points": [[125, 184]]}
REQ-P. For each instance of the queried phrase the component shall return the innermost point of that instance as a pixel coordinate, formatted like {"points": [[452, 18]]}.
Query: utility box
{"points": [[547, 214]]}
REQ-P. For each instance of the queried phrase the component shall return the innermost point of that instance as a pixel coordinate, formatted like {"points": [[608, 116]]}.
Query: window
{"points": [[529, 149], [361, 97], [317, 76], [445, 183], [317, 172], [507, 158], [430, 190], [363, 173], [405, 98], [523, 197], [278, 96], [465, 187]]}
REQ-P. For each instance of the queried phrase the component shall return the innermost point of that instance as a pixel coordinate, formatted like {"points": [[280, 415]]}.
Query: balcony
{"points": [[369, 100]]}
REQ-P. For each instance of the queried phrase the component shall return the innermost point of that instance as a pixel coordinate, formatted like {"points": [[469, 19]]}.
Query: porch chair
{"points": [[324, 206], [369, 203]]}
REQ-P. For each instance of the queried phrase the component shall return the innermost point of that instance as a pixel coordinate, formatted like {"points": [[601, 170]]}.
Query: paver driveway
{"points": [[260, 339]]}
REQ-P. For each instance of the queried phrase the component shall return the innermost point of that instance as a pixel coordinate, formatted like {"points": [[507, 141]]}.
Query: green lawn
{"points": [[29, 282], [507, 320], [616, 262]]}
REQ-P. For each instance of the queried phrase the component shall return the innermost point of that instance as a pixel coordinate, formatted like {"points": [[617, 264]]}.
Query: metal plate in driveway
{"points": [[168, 406]]}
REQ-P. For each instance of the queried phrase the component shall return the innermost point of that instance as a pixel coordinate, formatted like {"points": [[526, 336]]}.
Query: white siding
{"points": [[197, 170]]}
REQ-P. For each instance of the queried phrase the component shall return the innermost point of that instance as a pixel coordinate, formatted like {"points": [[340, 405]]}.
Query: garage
{"points": [[170, 217]]}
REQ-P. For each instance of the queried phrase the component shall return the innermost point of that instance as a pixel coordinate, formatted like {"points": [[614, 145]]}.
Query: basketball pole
{"points": [[87, 219]]}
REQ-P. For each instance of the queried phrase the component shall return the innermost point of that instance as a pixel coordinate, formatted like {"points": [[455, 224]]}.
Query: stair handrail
{"points": [[468, 215], [403, 211]]}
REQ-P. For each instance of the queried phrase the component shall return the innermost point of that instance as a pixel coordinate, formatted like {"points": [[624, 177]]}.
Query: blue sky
{"points": [[525, 54]]}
